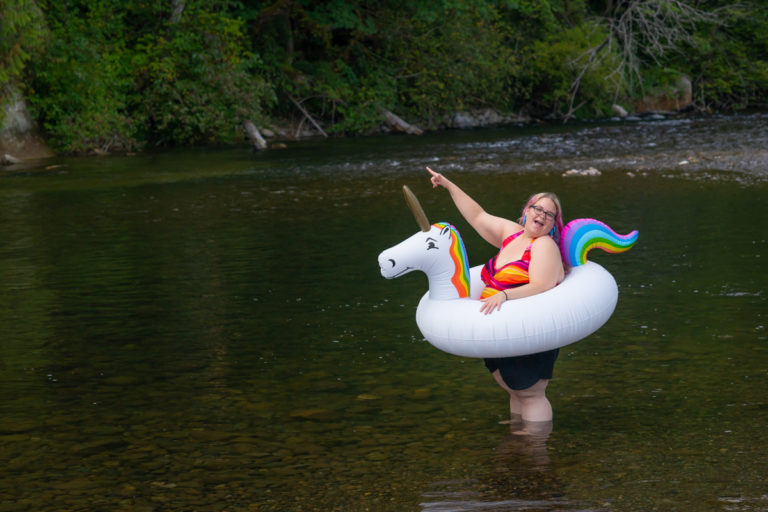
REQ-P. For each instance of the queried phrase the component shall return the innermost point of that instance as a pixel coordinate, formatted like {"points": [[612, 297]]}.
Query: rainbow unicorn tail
{"points": [[582, 235]]}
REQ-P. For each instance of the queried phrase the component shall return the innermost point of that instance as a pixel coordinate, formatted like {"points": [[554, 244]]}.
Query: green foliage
{"points": [[479, 71], [82, 86], [22, 33], [531, 20], [117, 75], [116, 78], [729, 63], [422, 60], [198, 85], [552, 66]]}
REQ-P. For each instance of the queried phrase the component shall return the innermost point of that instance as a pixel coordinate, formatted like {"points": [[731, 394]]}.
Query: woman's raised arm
{"points": [[493, 229]]}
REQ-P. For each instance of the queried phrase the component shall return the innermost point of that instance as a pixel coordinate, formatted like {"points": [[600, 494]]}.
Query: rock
{"points": [[253, 134], [591, 171], [376, 456], [685, 91], [315, 413], [9, 160], [482, 117], [619, 111], [463, 120], [19, 141], [675, 97]]}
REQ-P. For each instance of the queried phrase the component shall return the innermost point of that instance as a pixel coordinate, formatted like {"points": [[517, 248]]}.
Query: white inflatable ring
{"points": [[573, 310], [449, 314]]}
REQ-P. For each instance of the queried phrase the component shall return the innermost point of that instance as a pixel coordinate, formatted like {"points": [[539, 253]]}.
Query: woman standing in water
{"points": [[528, 262]]}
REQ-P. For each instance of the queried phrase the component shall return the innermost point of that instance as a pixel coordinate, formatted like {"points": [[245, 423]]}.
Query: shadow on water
{"points": [[208, 330]]}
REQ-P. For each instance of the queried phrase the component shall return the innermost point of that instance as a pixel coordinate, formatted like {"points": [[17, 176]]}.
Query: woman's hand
{"points": [[493, 302], [438, 180]]}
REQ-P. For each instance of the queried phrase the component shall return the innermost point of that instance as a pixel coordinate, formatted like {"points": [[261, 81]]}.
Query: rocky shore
{"points": [[22, 146]]}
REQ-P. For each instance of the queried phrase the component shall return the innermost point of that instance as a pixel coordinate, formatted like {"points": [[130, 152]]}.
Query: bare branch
{"points": [[178, 10], [308, 116], [591, 55], [639, 28]]}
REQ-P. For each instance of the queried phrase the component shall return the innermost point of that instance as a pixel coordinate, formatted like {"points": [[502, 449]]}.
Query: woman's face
{"points": [[540, 217]]}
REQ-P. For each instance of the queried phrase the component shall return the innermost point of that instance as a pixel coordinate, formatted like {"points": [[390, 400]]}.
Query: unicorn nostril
{"points": [[393, 261]]}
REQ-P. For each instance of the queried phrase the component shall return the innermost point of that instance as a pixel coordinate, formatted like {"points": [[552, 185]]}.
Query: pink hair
{"points": [[557, 236]]}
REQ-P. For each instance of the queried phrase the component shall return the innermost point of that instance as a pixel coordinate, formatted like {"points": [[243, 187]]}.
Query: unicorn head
{"points": [[437, 250]]}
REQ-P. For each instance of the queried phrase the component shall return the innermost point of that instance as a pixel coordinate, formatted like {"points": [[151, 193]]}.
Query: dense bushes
{"points": [[196, 84], [729, 63], [112, 75], [553, 64], [81, 85], [116, 77], [22, 32]]}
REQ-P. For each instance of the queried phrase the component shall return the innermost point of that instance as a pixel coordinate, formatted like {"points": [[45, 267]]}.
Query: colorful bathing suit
{"points": [[520, 372], [511, 275]]}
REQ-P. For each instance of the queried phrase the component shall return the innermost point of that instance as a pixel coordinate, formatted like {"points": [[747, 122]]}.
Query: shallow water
{"points": [[208, 330]]}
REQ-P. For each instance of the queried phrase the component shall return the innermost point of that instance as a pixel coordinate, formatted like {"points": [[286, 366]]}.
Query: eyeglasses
{"points": [[539, 209]]}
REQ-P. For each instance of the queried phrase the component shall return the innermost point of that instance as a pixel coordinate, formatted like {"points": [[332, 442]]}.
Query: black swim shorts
{"points": [[522, 372]]}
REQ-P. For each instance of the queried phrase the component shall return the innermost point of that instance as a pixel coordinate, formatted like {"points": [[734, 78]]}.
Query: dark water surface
{"points": [[208, 330]]}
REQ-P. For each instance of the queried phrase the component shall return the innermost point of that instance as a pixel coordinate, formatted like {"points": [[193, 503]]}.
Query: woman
{"points": [[528, 262]]}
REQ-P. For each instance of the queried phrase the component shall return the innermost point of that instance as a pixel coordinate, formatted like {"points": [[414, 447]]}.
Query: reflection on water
{"points": [[208, 330], [519, 476]]}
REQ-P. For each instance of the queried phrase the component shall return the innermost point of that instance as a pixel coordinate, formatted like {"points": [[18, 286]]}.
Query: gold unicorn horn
{"points": [[418, 211]]}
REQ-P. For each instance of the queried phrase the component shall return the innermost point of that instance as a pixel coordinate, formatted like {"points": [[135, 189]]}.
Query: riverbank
{"points": [[698, 145], [687, 142], [23, 143]]}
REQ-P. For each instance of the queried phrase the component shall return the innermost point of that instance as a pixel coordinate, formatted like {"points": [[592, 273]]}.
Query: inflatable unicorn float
{"points": [[449, 316]]}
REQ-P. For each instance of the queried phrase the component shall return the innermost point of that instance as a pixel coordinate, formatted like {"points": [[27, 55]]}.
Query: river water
{"points": [[208, 330]]}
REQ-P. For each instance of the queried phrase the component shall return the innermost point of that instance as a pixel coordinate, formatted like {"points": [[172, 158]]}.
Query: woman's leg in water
{"points": [[531, 403]]}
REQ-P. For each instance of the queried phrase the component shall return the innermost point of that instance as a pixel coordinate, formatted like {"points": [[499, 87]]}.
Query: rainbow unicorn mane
{"points": [[458, 253], [582, 235]]}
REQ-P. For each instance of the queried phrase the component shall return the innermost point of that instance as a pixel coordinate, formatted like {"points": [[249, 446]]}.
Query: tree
{"points": [[116, 75], [639, 31], [22, 31]]}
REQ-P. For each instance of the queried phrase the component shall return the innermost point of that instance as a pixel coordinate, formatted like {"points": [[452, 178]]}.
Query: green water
{"points": [[208, 330]]}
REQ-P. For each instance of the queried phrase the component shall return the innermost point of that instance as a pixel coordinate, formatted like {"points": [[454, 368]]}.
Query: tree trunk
{"points": [[308, 116], [398, 124], [253, 134], [178, 10]]}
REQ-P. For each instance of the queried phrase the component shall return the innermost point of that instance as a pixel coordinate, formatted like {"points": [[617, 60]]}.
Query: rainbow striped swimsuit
{"points": [[511, 275]]}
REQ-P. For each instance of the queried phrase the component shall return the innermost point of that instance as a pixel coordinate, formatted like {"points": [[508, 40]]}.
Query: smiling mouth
{"points": [[406, 269]]}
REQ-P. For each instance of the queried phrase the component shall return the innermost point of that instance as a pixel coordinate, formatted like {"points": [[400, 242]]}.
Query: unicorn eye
{"points": [[431, 243]]}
